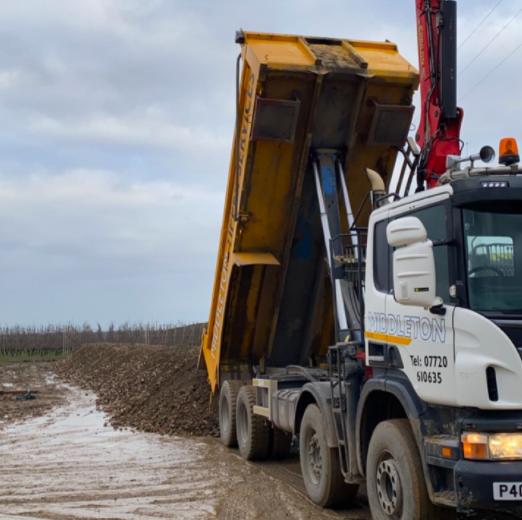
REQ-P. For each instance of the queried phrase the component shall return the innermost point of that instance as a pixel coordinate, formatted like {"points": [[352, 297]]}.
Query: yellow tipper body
{"points": [[271, 303]]}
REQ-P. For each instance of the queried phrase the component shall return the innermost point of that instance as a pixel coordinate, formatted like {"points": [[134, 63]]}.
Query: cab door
{"points": [[425, 340], [378, 287]]}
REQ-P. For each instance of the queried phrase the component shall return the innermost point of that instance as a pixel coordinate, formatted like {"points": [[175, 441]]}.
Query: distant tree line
{"points": [[64, 338]]}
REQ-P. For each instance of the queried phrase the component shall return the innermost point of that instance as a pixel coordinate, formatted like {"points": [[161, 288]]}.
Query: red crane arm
{"points": [[438, 134]]}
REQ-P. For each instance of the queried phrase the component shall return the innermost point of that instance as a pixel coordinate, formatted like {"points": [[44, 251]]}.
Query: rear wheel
{"points": [[322, 475], [395, 480], [252, 430], [227, 412]]}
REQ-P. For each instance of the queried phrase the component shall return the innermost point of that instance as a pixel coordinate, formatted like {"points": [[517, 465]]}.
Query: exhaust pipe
{"points": [[377, 189]]}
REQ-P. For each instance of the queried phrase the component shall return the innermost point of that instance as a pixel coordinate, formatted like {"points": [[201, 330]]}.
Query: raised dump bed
{"points": [[298, 97]]}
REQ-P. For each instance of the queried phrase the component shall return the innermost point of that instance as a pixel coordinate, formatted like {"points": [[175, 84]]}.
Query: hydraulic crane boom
{"points": [[438, 134]]}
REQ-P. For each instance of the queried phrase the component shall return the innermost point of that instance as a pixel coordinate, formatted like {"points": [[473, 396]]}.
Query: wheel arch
{"points": [[381, 400], [316, 393]]}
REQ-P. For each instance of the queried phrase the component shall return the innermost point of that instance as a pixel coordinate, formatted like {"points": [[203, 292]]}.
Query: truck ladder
{"points": [[410, 155], [344, 373]]}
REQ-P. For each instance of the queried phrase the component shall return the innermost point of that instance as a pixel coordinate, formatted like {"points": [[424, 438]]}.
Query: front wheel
{"points": [[322, 475], [395, 480]]}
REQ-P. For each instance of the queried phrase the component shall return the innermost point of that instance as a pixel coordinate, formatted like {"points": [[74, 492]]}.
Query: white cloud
{"points": [[45, 210], [9, 78], [136, 130], [92, 240]]}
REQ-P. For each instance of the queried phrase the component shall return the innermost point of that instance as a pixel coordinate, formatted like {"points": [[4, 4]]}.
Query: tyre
{"points": [[395, 480], [252, 430], [322, 475], [281, 442], [227, 412]]}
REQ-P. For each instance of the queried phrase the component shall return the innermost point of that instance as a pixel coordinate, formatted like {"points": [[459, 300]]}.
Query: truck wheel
{"points": [[395, 481], [322, 475], [252, 430], [227, 412], [281, 442]]}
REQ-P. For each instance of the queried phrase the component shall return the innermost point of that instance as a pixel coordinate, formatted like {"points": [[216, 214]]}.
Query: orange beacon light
{"points": [[508, 151]]}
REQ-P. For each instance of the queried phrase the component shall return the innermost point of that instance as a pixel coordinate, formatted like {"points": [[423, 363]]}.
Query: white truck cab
{"points": [[450, 352], [443, 327]]}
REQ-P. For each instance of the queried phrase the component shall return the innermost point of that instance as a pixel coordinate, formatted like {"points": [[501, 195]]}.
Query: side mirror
{"points": [[405, 231], [414, 279]]}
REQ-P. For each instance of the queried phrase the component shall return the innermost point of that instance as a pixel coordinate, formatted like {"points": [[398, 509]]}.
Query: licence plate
{"points": [[507, 490]]}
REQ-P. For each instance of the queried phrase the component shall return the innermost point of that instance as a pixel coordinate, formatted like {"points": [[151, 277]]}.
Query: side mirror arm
{"points": [[439, 309]]}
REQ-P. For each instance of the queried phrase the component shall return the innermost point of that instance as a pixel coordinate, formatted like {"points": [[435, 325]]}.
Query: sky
{"points": [[116, 124]]}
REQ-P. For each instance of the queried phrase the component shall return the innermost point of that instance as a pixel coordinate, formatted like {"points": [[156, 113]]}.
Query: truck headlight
{"points": [[492, 446]]}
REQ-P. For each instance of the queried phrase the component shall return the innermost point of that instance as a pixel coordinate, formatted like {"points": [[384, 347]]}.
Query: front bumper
{"points": [[474, 485]]}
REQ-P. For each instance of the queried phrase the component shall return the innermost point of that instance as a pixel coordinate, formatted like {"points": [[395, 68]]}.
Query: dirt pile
{"points": [[151, 388]]}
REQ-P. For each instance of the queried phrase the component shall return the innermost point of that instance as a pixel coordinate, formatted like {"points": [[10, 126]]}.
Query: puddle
{"points": [[71, 464]]}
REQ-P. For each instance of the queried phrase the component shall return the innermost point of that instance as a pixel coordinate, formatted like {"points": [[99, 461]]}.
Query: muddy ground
{"points": [[27, 390], [62, 459]]}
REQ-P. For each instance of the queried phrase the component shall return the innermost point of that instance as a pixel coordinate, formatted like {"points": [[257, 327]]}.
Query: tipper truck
{"points": [[376, 325]]}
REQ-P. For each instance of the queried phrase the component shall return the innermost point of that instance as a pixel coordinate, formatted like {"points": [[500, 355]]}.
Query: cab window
{"points": [[382, 258], [435, 220]]}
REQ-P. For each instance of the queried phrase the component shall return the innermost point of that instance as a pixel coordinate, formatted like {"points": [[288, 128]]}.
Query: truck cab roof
{"points": [[464, 187]]}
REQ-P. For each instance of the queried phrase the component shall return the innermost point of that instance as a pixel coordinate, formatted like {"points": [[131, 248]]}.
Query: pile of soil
{"points": [[150, 388]]}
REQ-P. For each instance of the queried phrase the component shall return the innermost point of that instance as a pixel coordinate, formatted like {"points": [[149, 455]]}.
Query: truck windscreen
{"points": [[493, 239]]}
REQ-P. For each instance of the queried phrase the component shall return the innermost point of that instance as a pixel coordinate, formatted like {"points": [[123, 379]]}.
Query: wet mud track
{"points": [[70, 464], [27, 390]]}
